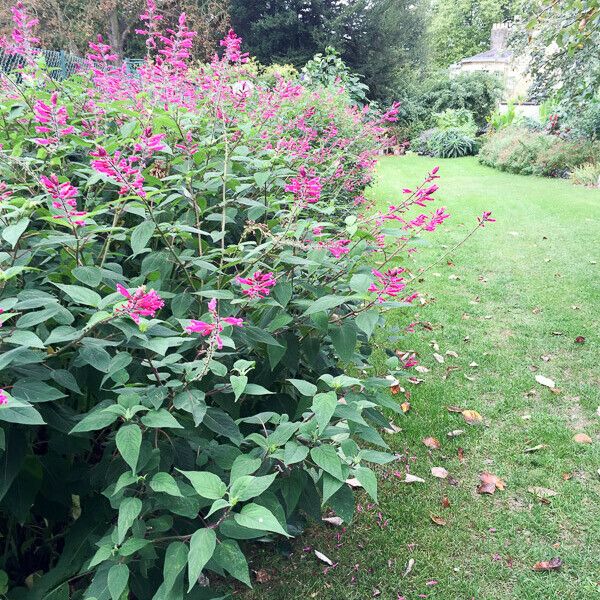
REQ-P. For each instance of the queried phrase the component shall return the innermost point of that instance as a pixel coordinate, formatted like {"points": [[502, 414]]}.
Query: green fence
{"points": [[60, 64]]}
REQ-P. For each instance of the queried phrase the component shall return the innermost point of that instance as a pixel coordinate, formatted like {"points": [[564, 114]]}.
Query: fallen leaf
{"points": [[376, 593], [582, 438], [455, 433], [415, 380], [472, 416], [439, 472], [332, 520], [468, 377], [546, 357], [438, 357], [353, 482], [445, 502], [409, 567], [461, 454], [393, 428], [438, 520], [526, 417], [405, 406], [451, 353], [579, 339], [454, 409], [473, 365], [489, 483], [396, 389], [545, 381], [535, 448], [432, 443], [322, 557], [421, 369], [548, 565], [413, 479], [542, 492], [434, 345], [262, 576], [598, 411], [557, 333], [533, 368], [567, 476]]}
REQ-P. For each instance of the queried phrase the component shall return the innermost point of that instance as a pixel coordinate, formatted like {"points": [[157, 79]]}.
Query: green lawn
{"points": [[522, 288]]}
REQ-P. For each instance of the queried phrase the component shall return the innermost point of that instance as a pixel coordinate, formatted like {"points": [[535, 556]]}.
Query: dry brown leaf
{"points": [[542, 492], [409, 567], [438, 520], [546, 357], [445, 502], [409, 478], [582, 438], [472, 417], [421, 369], [473, 364], [439, 472], [434, 345], [579, 339], [455, 433], [262, 576], [461, 454], [451, 353], [322, 557], [405, 406], [545, 381], [489, 483], [438, 357], [548, 565], [567, 476], [332, 520], [432, 443]]}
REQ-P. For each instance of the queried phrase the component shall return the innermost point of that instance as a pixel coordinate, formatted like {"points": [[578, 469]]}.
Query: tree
{"points": [[461, 28]]}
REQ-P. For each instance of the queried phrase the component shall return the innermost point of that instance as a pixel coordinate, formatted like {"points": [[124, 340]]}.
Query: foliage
{"points": [[462, 28], [456, 118], [518, 150], [452, 143], [187, 301], [329, 70], [69, 24], [499, 120], [585, 120], [587, 174]]}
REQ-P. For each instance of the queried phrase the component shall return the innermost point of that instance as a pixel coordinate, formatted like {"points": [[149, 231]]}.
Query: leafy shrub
{"points": [[329, 70], [584, 121], [520, 150], [587, 174], [459, 118], [185, 277], [451, 143], [500, 120]]}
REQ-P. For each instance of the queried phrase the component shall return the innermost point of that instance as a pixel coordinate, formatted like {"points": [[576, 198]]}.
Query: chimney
{"points": [[499, 37]]}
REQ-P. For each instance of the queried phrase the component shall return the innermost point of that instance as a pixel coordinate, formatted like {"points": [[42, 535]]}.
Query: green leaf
{"points": [[161, 418], [202, 547], [25, 338], [243, 465], [141, 235], [262, 177], [304, 387], [258, 517], [165, 483], [253, 389], [34, 391], [95, 420], [103, 553], [208, 485], [327, 458], [132, 545], [238, 384], [344, 340], [118, 578], [129, 510], [294, 453], [222, 424], [367, 321], [342, 503], [176, 558], [249, 486], [324, 406], [368, 480], [20, 412], [90, 276], [129, 442], [325, 303], [230, 558], [80, 295], [13, 232]]}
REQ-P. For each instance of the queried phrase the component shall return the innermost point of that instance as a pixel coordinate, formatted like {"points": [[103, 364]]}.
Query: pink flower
{"points": [[216, 327], [139, 303], [3, 398], [120, 168], [410, 362], [5, 193], [64, 195], [388, 284], [150, 142], [53, 119], [317, 230], [486, 217], [337, 247], [306, 189], [259, 284], [233, 48]]}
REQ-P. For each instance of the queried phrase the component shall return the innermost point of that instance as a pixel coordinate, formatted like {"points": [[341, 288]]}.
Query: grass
{"points": [[502, 302]]}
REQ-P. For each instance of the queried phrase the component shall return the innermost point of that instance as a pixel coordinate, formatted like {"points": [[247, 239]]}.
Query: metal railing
{"points": [[60, 64]]}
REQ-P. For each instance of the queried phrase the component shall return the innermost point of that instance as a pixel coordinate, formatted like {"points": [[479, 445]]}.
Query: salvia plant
{"points": [[190, 282]]}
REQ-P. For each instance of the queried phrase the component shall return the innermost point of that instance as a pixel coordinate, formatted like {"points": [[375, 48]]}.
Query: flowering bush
{"points": [[186, 273]]}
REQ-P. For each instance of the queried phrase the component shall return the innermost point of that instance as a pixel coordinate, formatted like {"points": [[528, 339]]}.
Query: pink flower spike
{"points": [[3, 398], [140, 303], [486, 217], [201, 327], [233, 321], [258, 284]]}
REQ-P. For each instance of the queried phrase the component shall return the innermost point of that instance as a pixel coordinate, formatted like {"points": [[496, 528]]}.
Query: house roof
{"points": [[503, 56]]}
